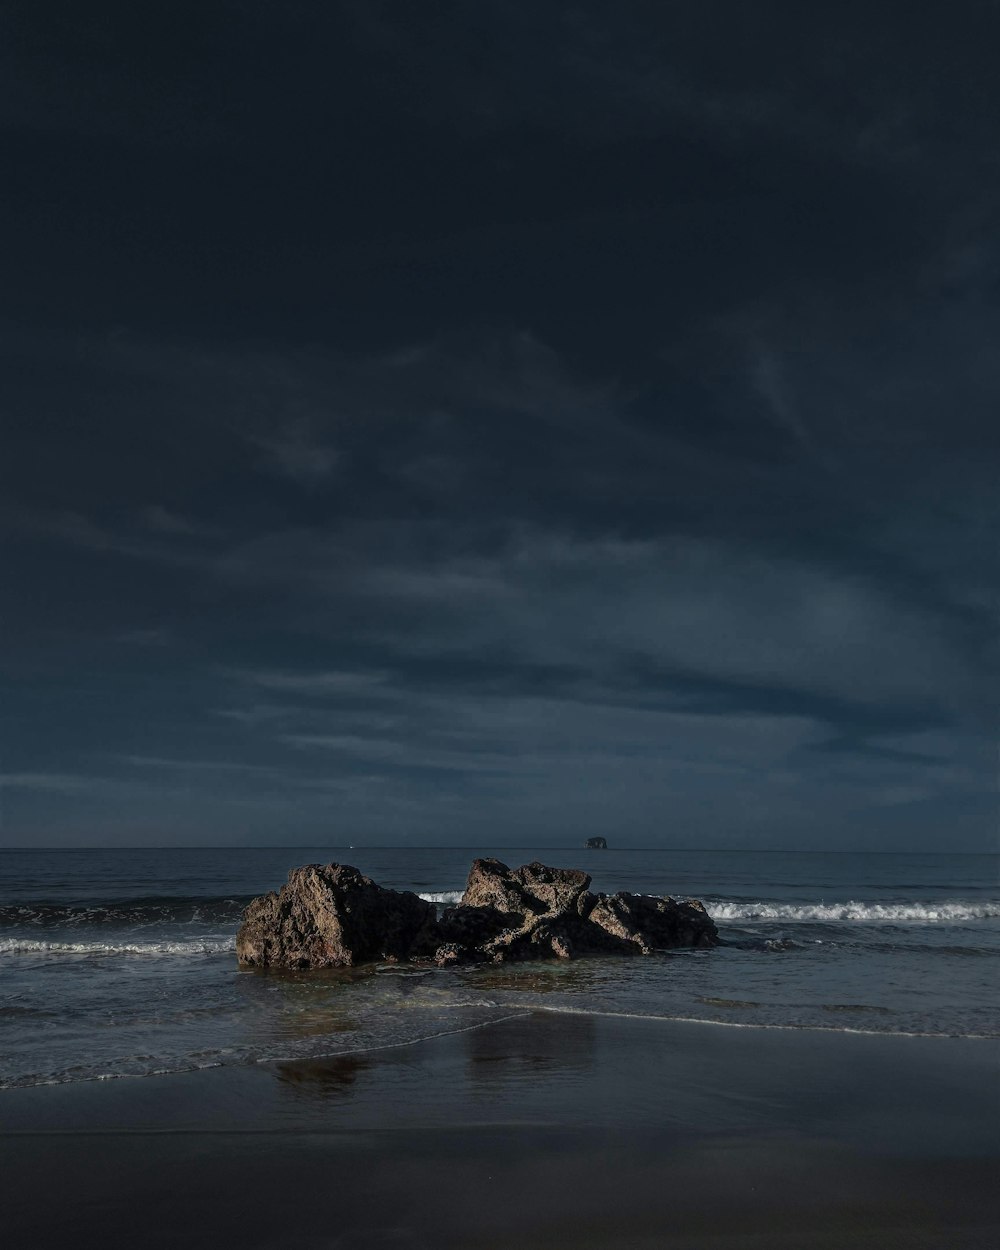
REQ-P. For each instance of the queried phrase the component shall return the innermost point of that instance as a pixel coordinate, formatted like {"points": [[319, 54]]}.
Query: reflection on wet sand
{"points": [[331, 1078], [538, 1045]]}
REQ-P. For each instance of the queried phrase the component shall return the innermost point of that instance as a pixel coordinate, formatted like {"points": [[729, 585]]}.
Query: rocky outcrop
{"points": [[534, 889], [596, 844], [645, 924], [333, 916]]}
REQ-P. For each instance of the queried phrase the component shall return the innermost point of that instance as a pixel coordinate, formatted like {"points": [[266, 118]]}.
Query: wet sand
{"points": [[544, 1130]]}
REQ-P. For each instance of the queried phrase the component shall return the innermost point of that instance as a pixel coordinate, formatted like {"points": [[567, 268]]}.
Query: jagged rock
{"points": [[596, 844], [651, 924], [538, 911], [332, 916], [533, 888]]}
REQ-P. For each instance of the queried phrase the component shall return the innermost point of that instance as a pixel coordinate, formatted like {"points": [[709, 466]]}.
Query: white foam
{"points": [[447, 898], [750, 1024], [28, 946], [399, 1043], [891, 913]]}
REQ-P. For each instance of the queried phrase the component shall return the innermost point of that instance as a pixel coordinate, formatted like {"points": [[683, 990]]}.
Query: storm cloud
{"points": [[500, 423]]}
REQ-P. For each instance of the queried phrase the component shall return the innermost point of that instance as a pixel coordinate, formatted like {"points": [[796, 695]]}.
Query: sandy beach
{"points": [[543, 1130]]}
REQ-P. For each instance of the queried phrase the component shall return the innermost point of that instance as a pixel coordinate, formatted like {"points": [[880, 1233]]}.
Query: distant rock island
{"points": [[597, 844], [332, 916]]}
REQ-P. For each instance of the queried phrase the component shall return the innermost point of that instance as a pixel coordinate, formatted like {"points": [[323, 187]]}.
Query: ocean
{"points": [[120, 963]]}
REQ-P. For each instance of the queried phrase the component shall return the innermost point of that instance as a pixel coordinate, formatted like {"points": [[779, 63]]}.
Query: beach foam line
{"points": [[886, 913], [32, 946], [405, 1041], [518, 1013], [750, 1024], [183, 1065]]}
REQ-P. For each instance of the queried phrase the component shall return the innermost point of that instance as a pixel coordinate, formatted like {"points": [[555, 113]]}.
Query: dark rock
{"points": [[533, 888], [475, 926], [537, 912], [332, 916], [649, 924], [597, 844]]}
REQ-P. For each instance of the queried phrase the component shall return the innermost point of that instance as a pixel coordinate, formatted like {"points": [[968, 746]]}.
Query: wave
{"points": [[891, 913], [126, 913], [32, 946], [954, 910], [446, 898]]}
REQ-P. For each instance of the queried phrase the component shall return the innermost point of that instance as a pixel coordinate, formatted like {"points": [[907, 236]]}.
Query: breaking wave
{"points": [[885, 913], [445, 898], [32, 946]]}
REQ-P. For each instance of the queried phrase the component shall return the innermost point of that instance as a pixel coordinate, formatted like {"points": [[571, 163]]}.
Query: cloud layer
{"points": [[539, 423]]}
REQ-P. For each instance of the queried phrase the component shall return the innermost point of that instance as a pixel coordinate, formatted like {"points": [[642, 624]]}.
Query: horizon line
{"points": [[687, 850]]}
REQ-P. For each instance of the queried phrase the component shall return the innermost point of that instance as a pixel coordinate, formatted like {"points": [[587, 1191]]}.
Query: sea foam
{"points": [[886, 913], [203, 946]]}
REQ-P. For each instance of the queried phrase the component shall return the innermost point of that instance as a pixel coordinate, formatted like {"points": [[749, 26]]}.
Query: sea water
{"points": [[119, 963]]}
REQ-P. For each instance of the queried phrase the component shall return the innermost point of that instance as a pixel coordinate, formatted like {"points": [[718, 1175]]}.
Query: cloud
{"points": [[323, 683], [704, 608], [55, 783], [527, 738], [173, 524], [771, 383], [643, 478], [530, 567], [71, 527], [169, 542], [155, 636], [187, 765], [576, 69], [295, 452]]}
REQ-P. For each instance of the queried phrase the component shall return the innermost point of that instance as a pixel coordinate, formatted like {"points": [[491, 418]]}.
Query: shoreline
{"points": [[528, 1010], [544, 1129]]}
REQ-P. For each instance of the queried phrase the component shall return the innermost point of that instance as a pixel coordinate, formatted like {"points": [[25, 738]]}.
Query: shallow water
{"points": [[120, 963]]}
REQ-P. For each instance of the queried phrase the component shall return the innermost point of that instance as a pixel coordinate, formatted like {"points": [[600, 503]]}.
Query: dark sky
{"points": [[500, 423]]}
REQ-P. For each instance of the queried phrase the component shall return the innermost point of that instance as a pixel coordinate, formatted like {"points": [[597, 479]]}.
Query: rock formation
{"points": [[597, 844], [333, 916]]}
